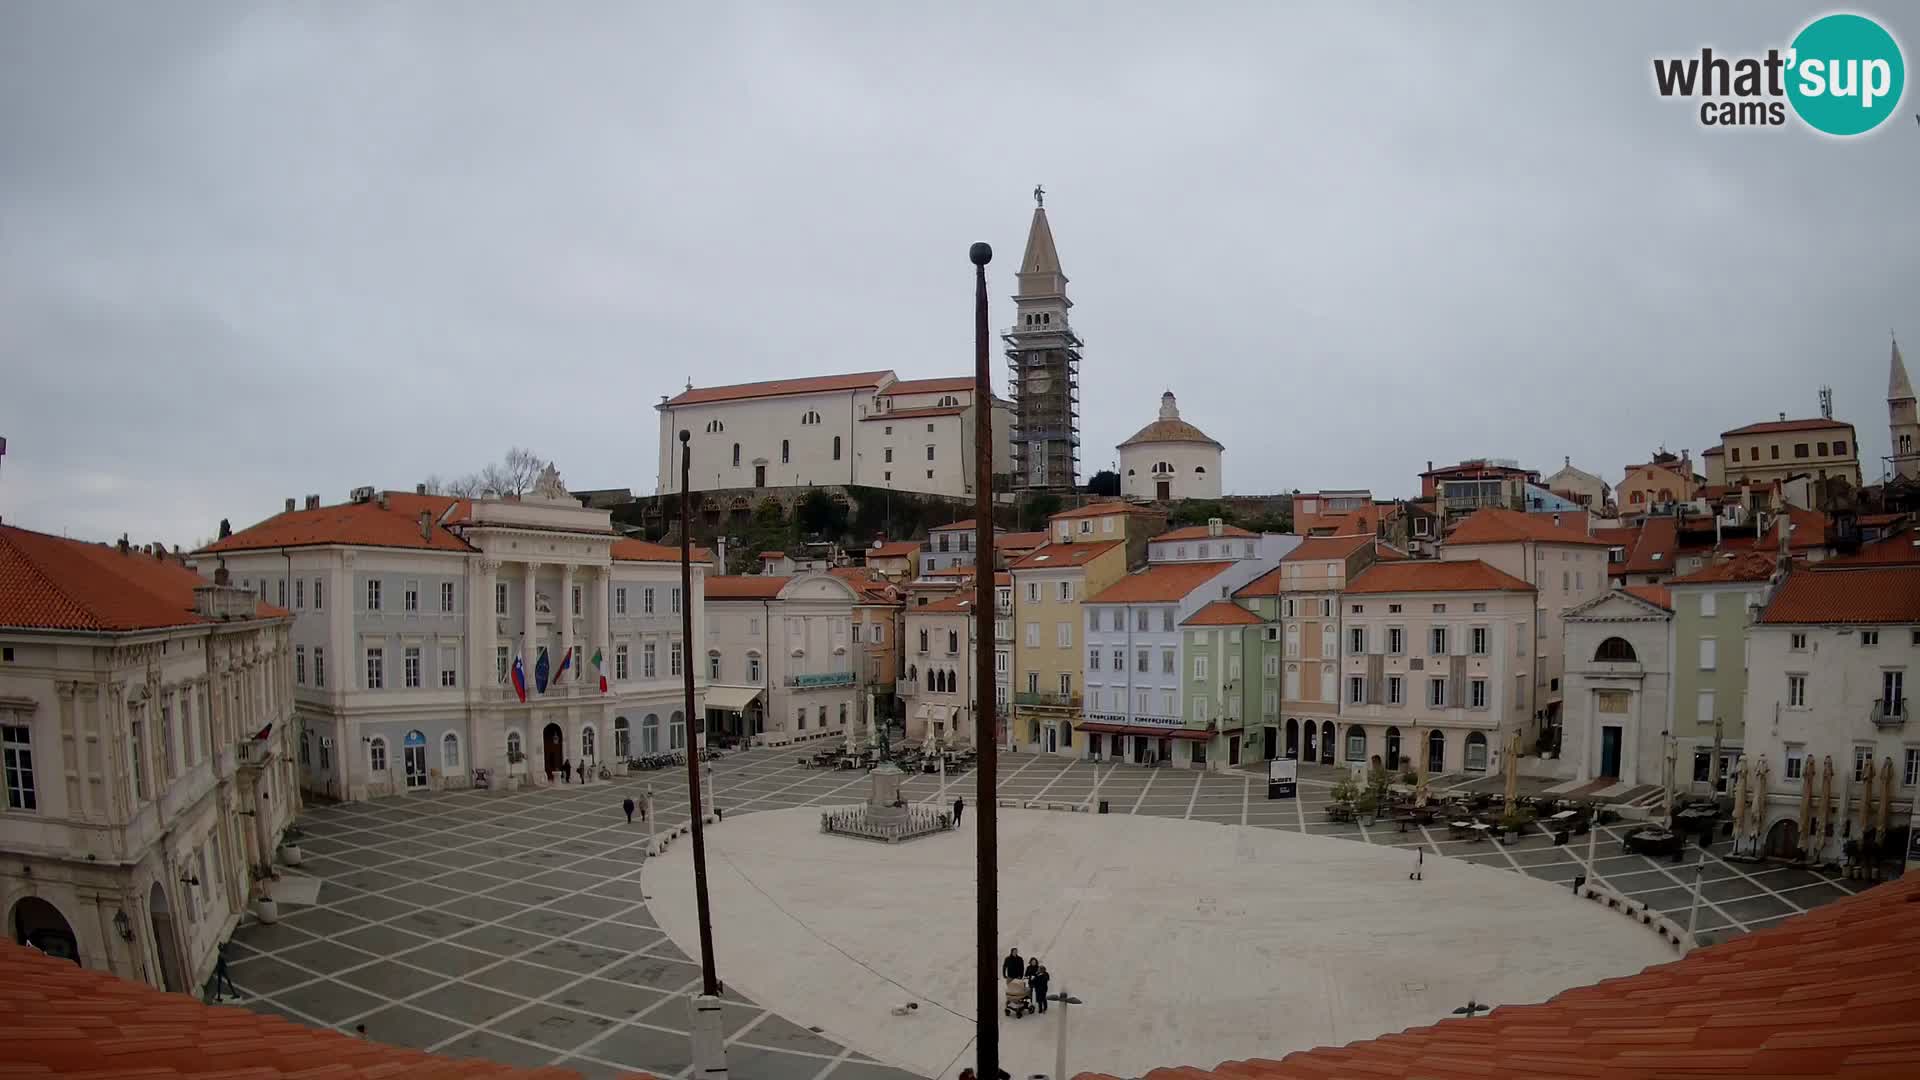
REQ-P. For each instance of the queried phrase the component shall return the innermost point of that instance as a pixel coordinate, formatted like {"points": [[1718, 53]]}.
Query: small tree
{"points": [[821, 515], [1035, 511], [1104, 482]]}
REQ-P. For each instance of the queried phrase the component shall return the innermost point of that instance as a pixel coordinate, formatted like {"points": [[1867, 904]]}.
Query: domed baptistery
{"points": [[1170, 459]]}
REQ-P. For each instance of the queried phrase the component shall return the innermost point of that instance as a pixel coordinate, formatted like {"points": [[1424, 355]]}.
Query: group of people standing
{"points": [[571, 774], [1031, 970]]}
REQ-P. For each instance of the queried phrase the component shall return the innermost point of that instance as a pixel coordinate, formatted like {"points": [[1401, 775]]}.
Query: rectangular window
{"points": [[1063, 635], [1437, 693], [1033, 592], [1199, 667], [573, 601], [281, 590], [376, 669], [713, 666], [1093, 659], [673, 599], [753, 669], [1200, 710], [1033, 635], [1166, 662], [1289, 606], [411, 660], [373, 594], [501, 661], [1066, 684], [319, 666], [1796, 761], [1166, 620], [649, 661], [1142, 620], [137, 755], [646, 601], [1270, 667], [1704, 708], [1064, 592], [1479, 641], [299, 593], [1394, 690], [1356, 746], [1797, 641], [1708, 606], [1140, 661], [1477, 693], [1119, 660], [1396, 641], [929, 450], [446, 596], [1796, 691], [1480, 606], [1357, 640], [673, 659], [300, 665], [1840, 446], [449, 670], [1437, 641], [1869, 638], [1356, 690], [1800, 450], [1893, 693], [856, 632], [411, 601], [500, 598], [1862, 755], [17, 742], [1708, 654], [620, 661], [1910, 775], [1773, 452], [1033, 682]]}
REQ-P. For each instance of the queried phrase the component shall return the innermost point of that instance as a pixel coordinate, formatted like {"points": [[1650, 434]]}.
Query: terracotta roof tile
{"points": [[59, 1019], [1429, 575], [1798, 999], [1101, 509], [1020, 540], [1652, 594], [896, 549], [1386, 552], [1746, 566], [364, 524], [955, 385], [1324, 548], [1788, 425], [746, 587], [1056, 556], [818, 384], [916, 414], [1900, 549], [1222, 613], [52, 583], [1870, 595], [1652, 552], [1159, 583], [959, 603], [1492, 525], [1202, 532], [628, 549], [1267, 584]]}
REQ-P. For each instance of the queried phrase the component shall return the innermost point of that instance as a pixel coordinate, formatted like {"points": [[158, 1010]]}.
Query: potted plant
{"points": [[290, 852], [264, 907], [1513, 821], [516, 769]]}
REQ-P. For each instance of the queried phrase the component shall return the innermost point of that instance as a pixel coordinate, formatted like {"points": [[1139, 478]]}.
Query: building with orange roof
{"points": [[1566, 565], [1170, 459], [866, 428], [1328, 513], [896, 560], [411, 612], [1457, 491], [877, 628], [782, 665], [1300, 647], [1044, 647], [1665, 480], [941, 673], [145, 721], [1828, 658], [1434, 662], [1110, 519], [1713, 609], [951, 546], [1619, 686], [1819, 447]]}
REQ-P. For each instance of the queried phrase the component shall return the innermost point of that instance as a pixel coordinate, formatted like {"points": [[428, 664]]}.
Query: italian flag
{"points": [[599, 670]]}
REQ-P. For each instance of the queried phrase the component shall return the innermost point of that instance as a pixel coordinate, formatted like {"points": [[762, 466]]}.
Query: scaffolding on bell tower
{"points": [[1043, 369]]}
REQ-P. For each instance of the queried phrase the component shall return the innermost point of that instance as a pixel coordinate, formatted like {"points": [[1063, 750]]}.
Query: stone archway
{"points": [[38, 923], [165, 939], [1783, 840], [553, 743]]}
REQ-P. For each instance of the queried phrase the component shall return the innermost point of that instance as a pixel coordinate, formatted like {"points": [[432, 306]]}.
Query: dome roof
{"points": [[1169, 428]]}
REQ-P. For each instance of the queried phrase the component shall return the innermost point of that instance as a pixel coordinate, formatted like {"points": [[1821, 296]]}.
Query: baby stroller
{"points": [[1019, 998]]}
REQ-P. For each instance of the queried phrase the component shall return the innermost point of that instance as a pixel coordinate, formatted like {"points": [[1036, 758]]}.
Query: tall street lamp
{"points": [[986, 738], [1065, 1001], [709, 1049]]}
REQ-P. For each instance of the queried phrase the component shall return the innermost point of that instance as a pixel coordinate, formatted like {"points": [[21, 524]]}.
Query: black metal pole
{"points": [[986, 735], [709, 981]]}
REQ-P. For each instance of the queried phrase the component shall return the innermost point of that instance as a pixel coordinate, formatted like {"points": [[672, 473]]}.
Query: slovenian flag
{"points": [[600, 671], [540, 672], [566, 665], [519, 680]]}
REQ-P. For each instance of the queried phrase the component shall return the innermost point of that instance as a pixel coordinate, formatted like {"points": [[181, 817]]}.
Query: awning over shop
{"points": [[731, 698], [1148, 731]]}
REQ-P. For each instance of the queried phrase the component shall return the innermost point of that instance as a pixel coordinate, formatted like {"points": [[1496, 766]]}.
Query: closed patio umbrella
{"points": [[1826, 805], [1420, 752], [1867, 820], [1513, 770], [1739, 803], [1886, 797], [1758, 797], [1807, 782]]}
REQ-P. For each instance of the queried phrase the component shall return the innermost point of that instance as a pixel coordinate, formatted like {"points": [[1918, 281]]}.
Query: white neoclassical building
{"points": [[868, 428], [413, 612], [144, 716], [1619, 683], [1170, 459], [781, 657]]}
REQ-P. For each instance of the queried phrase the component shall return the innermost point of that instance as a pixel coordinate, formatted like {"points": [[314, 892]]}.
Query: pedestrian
{"points": [[360, 1030], [959, 807], [628, 807], [1033, 969], [221, 977], [566, 771], [1037, 982], [1013, 967]]}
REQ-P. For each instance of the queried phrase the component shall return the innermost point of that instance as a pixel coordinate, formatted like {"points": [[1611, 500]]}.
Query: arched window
{"points": [[1066, 734], [913, 674], [450, 750], [1615, 650], [513, 745], [953, 641], [923, 639], [714, 427], [1436, 751], [586, 743], [1326, 743], [1476, 751], [736, 455], [650, 734], [1200, 468], [620, 739], [836, 448], [1356, 743], [377, 754], [676, 732]]}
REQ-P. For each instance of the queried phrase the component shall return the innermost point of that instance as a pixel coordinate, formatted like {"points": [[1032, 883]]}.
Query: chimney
{"points": [[1783, 418], [426, 525], [1567, 460], [1429, 464], [1214, 526], [289, 504], [1786, 527], [419, 489], [313, 502], [124, 547]]}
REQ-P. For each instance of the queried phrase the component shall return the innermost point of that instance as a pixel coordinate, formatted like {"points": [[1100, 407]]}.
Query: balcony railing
{"points": [[811, 682], [1889, 713], [1047, 699]]}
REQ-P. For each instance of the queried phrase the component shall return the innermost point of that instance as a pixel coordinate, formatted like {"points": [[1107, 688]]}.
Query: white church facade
{"points": [[1170, 459]]}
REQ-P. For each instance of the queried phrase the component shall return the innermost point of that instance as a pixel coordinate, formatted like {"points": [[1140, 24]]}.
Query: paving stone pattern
{"points": [[514, 926]]}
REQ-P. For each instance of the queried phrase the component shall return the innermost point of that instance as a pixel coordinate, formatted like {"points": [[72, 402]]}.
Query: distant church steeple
{"points": [[1043, 367], [1903, 426]]}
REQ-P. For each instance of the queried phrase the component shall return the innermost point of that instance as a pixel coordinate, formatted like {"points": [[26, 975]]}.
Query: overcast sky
{"points": [[253, 251]]}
